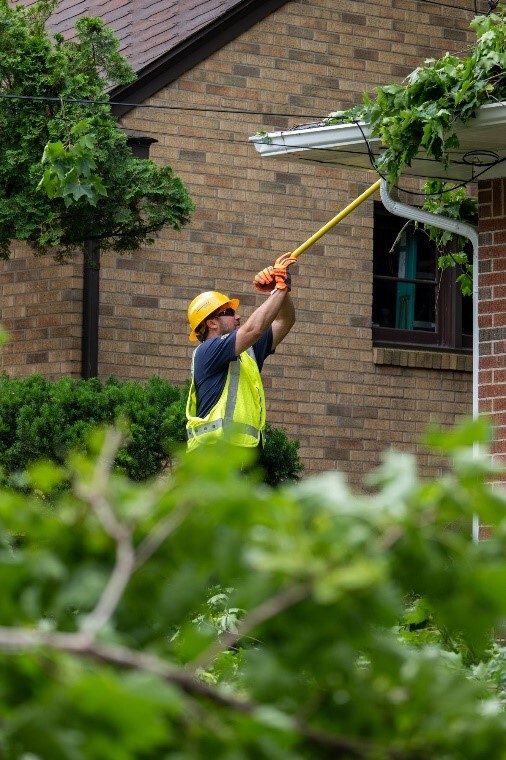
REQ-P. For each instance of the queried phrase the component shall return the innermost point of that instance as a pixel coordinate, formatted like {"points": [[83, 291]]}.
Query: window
{"points": [[414, 303]]}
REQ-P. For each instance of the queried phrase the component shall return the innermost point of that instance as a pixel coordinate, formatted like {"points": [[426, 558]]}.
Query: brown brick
{"points": [[367, 55], [37, 357], [149, 302], [354, 19]]}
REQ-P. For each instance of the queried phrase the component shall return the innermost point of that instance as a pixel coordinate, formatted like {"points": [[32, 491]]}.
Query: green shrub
{"points": [[42, 418], [279, 459]]}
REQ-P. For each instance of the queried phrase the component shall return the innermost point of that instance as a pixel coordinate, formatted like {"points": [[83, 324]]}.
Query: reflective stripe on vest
{"points": [[233, 387], [218, 424]]}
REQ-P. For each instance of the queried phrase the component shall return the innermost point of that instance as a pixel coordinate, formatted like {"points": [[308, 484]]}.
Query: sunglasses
{"points": [[226, 313]]}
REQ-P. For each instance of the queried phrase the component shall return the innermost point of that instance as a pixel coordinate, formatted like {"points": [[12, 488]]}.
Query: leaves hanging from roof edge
{"points": [[424, 111]]}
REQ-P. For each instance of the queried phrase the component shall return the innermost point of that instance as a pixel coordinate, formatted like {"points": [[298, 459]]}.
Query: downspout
{"points": [[469, 232], [91, 299], [139, 145]]}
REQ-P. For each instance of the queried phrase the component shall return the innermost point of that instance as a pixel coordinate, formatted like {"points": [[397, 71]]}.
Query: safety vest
{"points": [[240, 408]]}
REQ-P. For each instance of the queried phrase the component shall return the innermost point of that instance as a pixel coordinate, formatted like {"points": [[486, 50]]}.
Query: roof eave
{"points": [[482, 151]]}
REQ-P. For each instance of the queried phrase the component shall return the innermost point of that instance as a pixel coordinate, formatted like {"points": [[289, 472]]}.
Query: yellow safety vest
{"points": [[240, 408]]}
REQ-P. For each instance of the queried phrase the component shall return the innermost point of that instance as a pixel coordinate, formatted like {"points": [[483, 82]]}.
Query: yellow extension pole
{"points": [[335, 220]]}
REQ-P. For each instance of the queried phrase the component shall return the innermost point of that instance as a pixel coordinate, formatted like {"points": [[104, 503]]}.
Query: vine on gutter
{"points": [[456, 204]]}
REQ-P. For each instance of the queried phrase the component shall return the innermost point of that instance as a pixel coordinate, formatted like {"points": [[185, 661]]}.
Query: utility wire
{"points": [[162, 107], [371, 156], [492, 5], [374, 165], [320, 122]]}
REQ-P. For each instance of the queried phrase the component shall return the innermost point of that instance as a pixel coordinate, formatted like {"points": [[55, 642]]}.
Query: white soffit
{"points": [[482, 143]]}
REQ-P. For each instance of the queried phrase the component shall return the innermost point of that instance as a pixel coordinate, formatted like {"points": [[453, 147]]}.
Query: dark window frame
{"points": [[448, 335]]}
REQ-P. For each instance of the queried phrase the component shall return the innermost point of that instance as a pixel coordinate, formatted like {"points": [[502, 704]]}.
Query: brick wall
{"points": [[41, 305], [492, 309], [326, 385]]}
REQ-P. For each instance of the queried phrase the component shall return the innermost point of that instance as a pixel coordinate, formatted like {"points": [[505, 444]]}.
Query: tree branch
{"points": [[161, 531], [265, 611], [399, 235], [93, 494], [21, 640], [128, 560]]}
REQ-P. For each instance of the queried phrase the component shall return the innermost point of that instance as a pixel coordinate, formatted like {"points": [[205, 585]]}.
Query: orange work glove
{"points": [[283, 259], [264, 280], [280, 272]]}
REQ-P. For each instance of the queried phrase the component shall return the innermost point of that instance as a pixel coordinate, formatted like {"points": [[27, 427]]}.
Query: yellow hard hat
{"points": [[204, 305]]}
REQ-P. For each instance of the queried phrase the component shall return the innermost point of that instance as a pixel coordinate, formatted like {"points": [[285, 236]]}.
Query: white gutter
{"points": [[481, 153], [484, 130], [313, 137], [465, 230]]}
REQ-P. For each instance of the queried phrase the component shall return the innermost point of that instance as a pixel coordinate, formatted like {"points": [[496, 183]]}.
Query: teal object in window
{"points": [[405, 302]]}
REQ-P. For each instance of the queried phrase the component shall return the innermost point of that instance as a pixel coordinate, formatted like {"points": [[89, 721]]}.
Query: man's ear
{"points": [[210, 323]]}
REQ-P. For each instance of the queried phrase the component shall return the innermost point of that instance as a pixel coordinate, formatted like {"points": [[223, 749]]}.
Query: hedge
{"points": [[42, 418]]}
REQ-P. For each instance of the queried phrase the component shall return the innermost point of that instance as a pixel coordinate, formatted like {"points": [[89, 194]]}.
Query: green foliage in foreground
{"points": [[67, 173], [201, 615], [46, 418]]}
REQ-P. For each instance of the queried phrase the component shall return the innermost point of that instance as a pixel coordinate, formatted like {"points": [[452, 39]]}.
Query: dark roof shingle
{"points": [[146, 29]]}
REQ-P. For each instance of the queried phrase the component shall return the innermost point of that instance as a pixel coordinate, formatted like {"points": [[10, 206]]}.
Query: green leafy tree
{"points": [[200, 615], [453, 203], [67, 173]]}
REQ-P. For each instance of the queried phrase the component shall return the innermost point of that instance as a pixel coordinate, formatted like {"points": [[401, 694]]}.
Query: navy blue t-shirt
{"points": [[211, 362]]}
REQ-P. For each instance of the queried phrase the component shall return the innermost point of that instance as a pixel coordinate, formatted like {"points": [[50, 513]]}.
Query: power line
{"points": [[473, 9], [374, 166], [320, 122], [348, 166], [162, 107]]}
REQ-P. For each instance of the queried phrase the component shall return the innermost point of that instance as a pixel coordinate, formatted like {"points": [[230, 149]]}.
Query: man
{"points": [[226, 394]]}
